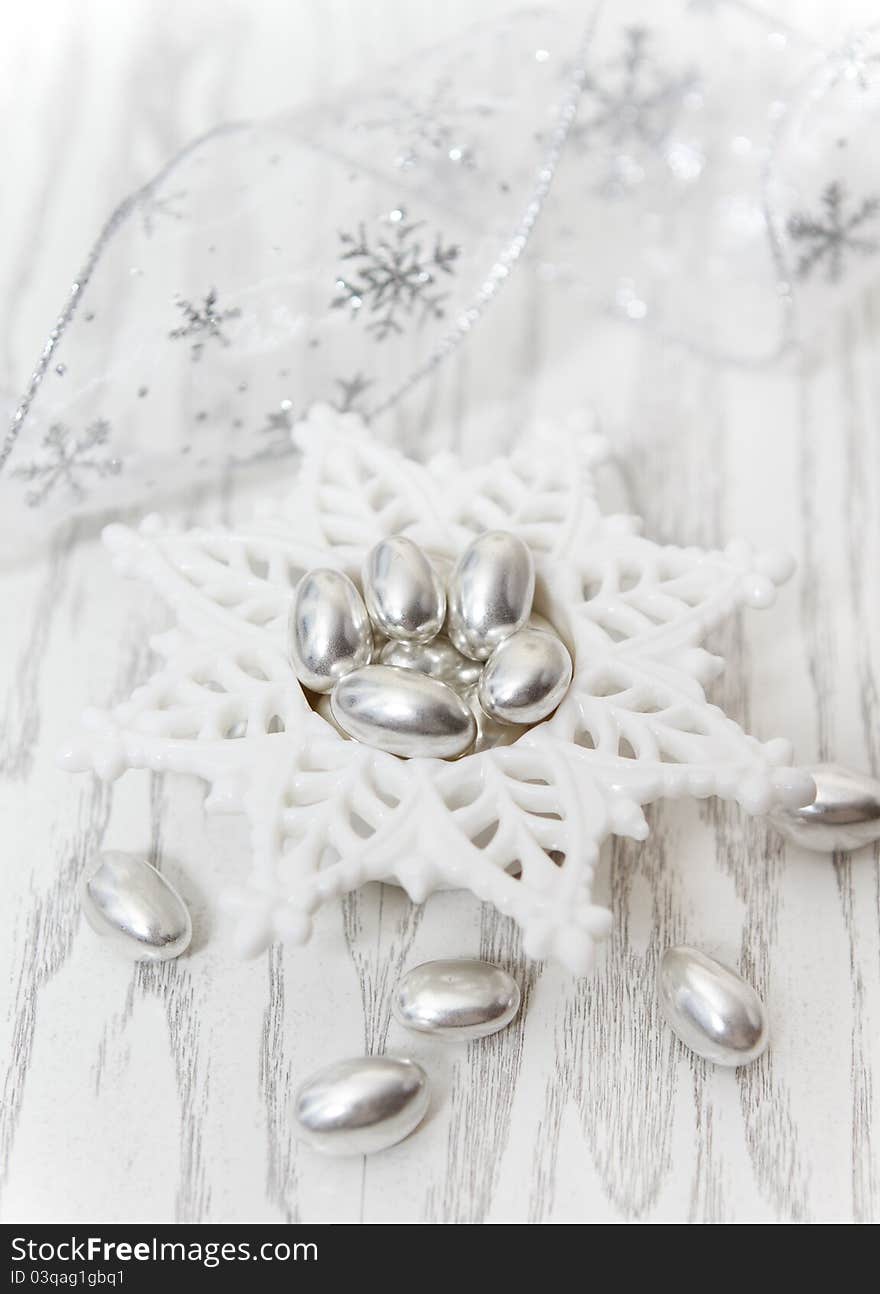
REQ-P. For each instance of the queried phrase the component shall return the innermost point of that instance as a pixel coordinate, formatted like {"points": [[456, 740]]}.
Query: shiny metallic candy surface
{"points": [[490, 732], [438, 658], [525, 678], [330, 632], [403, 712], [711, 1008], [127, 901], [405, 597], [456, 1000], [845, 814], [477, 683], [360, 1106], [490, 593]]}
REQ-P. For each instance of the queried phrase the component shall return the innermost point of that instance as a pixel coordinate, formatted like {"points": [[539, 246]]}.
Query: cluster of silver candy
{"points": [[422, 668]]}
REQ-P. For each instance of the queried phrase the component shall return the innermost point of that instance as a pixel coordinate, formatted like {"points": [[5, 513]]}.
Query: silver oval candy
{"points": [[125, 899], [403, 712], [456, 999], [844, 815], [404, 595], [525, 678], [329, 629], [356, 1107], [490, 593], [711, 1009], [438, 659], [490, 733]]}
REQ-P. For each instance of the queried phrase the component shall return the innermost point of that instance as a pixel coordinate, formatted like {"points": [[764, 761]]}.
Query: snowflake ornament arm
{"points": [[519, 826]]}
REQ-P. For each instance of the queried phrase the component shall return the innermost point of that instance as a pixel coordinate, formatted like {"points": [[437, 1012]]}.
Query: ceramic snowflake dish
{"points": [[520, 826]]}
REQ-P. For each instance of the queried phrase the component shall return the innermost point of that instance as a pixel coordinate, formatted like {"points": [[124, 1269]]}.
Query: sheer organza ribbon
{"points": [[708, 175]]}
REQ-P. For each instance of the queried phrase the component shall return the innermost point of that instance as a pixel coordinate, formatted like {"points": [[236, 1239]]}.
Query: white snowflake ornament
{"points": [[519, 826]]}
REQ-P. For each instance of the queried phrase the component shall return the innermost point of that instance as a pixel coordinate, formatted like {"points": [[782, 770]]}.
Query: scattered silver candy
{"points": [[456, 1000], [356, 1107], [403, 712], [125, 899], [438, 659], [711, 1009], [330, 632], [490, 593], [525, 678], [490, 733], [844, 815], [404, 595]]}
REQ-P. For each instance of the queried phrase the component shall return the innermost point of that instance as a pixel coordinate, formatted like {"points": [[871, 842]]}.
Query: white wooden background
{"points": [[158, 1094]]}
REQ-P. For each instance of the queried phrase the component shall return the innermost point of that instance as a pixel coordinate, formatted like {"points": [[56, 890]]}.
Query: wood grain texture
{"points": [[164, 1093]]}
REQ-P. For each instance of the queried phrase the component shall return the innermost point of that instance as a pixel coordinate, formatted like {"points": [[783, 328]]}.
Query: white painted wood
{"points": [[164, 1093]]}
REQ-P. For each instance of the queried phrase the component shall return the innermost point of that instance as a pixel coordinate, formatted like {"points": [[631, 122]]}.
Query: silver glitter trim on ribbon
{"points": [[507, 258], [498, 274], [523, 230], [116, 220]]}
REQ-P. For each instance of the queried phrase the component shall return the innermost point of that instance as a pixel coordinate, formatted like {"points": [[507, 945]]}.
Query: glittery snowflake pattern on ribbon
{"points": [[433, 123], [66, 461], [519, 826], [631, 105], [203, 323], [393, 274], [836, 234]]}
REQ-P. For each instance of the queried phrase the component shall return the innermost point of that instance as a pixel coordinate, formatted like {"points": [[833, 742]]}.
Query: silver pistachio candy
{"points": [[404, 595], [403, 712], [456, 999], [711, 1008], [525, 678], [439, 659], [490, 593], [356, 1107], [127, 900], [844, 815], [330, 632]]}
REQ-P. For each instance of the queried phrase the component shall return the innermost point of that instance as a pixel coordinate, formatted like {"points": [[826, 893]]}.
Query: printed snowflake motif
{"points": [[153, 208], [393, 276], [350, 391], [631, 104], [519, 826], [65, 459], [435, 126], [856, 62], [830, 236], [204, 323], [277, 430]]}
